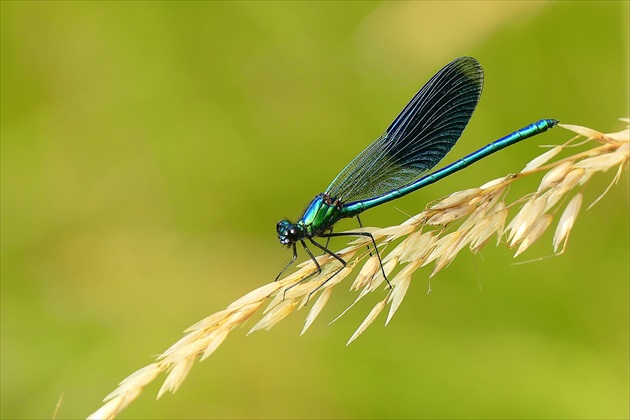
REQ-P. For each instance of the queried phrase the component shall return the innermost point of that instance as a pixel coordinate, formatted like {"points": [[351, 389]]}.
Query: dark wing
{"points": [[423, 133]]}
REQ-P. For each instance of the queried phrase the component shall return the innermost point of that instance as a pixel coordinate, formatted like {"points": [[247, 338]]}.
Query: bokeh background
{"points": [[149, 148]]}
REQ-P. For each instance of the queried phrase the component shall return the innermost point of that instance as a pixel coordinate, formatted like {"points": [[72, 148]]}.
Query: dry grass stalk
{"points": [[467, 218]]}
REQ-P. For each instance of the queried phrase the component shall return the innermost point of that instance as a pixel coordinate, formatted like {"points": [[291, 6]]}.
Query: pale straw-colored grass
{"points": [[465, 219]]}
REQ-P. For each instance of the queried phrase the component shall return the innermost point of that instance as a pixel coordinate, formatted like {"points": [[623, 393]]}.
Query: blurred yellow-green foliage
{"points": [[149, 148]]}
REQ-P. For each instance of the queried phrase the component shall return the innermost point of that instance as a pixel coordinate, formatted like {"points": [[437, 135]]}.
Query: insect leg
{"points": [[310, 254], [330, 230], [289, 264], [329, 252], [366, 234], [361, 226]]}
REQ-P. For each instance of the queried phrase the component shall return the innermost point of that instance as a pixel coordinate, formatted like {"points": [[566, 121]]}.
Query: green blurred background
{"points": [[148, 149]]}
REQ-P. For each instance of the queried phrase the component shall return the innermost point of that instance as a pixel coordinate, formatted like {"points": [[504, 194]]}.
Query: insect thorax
{"points": [[323, 212]]}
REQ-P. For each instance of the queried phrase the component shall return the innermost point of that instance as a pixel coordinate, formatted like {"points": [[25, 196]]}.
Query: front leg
{"points": [[310, 254]]}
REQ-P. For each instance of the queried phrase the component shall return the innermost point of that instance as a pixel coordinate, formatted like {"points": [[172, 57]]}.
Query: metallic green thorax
{"points": [[320, 215]]}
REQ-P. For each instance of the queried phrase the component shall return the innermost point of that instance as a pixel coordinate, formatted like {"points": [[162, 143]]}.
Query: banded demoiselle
{"points": [[395, 164]]}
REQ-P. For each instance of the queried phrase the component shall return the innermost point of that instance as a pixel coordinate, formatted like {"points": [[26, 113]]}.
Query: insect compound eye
{"points": [[288, 232], [283, 226], [279, 226]]}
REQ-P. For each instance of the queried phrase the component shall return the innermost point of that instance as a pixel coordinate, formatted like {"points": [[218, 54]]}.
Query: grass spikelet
{"points": [[400, 284], [367, 273], [417, 246], [444, 244], [450, 214], [214, 344], [393, 232], [317, 308], [457, 198], [523, 221], [496, 224], [275, 315], [374, 313], [542, 159], [467, 218], [566, 222], [535, 232], [449, 250], [178, 373], [554, 176]]}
